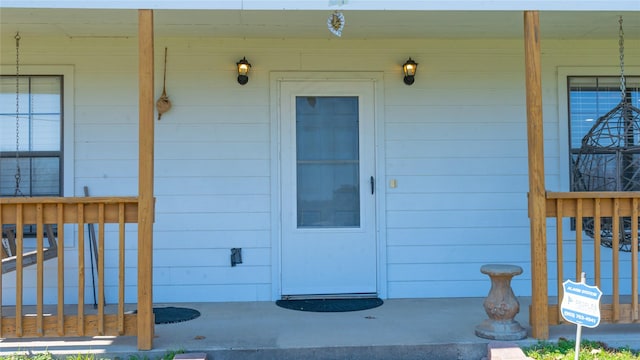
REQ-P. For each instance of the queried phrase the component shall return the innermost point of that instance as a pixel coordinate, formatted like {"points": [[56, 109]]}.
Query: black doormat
{"points": [[171, 314], [331, 305]]}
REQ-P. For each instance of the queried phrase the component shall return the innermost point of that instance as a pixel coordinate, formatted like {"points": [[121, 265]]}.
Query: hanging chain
{"points": [[18, 175], [623, 89], [164, 78]]}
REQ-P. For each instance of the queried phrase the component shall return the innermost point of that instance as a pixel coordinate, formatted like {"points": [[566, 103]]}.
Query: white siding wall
{"points": [[455, 142]]}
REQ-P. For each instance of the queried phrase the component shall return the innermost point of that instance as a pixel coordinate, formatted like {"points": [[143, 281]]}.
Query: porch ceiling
{"points": [[312, 24]]}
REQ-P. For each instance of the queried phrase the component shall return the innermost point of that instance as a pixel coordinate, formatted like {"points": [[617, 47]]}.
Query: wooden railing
{"points": [[600, 210], [28, 318]]}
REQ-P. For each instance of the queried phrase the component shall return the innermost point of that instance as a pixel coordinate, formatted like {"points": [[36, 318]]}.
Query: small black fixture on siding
{"points": [[243, 71], [236, 256], [409, 69]]}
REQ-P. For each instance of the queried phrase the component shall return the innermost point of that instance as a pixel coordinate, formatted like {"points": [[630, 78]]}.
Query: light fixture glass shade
{"points": [[243, 71], [243, 67], [409, 67]]}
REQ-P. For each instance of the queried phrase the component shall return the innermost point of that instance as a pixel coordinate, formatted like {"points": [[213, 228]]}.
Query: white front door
{"points": [[328, 203]]}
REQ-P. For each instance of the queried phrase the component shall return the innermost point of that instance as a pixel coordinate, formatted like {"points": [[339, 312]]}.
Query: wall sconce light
{"points": [[243, 71], [409, 69]]}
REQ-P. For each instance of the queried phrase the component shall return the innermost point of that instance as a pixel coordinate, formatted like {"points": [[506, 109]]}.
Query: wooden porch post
{"points": [[539, 315], [145, 180]]}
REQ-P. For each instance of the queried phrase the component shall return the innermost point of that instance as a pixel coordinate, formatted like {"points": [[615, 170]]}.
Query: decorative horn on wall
{"points": [[163, 104]]}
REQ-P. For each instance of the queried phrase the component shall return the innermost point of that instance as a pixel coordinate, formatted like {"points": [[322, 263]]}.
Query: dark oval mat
{"points": [[171, 314], [331, 305]]}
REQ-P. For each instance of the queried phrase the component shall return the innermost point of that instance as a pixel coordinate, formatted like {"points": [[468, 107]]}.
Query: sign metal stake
{"points": [[583, 280]]}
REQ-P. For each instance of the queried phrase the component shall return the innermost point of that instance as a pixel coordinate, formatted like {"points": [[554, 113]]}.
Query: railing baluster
{"points": [[121, 253], [80, 269], [559, 254], [100, 265], [579, 239], [60, 314], [615, 242], [39, 270], [19, 268], [634, 260]]}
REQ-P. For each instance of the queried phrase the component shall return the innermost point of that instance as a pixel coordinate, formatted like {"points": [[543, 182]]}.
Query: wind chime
{"points": [[609, 158], [335, 22]]}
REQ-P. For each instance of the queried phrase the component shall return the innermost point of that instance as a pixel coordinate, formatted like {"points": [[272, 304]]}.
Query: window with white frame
{"points": [[31, 144], [591, 97]]}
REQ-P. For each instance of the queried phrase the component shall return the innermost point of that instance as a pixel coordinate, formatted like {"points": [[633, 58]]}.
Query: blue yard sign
{"points": [[581, 303]]}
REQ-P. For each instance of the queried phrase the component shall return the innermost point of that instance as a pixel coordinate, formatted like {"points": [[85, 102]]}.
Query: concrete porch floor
{"points": [[399, 329]]}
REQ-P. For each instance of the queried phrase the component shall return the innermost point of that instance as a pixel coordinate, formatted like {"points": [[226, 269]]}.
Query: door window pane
{"points": [[327, 162]]}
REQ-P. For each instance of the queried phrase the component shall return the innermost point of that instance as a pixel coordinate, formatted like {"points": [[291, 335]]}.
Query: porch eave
{"points": [[438, 5]]}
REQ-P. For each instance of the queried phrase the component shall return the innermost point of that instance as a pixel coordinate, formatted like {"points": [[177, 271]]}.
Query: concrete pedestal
{"points": [[501, 305]]}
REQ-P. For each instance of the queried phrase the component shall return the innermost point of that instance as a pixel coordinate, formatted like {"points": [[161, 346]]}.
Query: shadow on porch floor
{"points": [[399, 329]]}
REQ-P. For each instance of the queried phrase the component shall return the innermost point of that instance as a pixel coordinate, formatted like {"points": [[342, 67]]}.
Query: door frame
{"points": [[375, 78]]}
